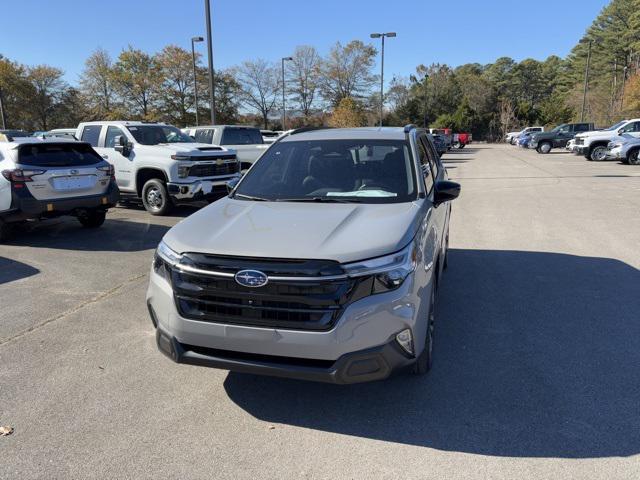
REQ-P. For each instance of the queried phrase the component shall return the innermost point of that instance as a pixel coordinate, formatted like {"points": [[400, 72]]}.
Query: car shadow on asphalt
{"points": [[12, 270], [536, 355], [116, 235]]}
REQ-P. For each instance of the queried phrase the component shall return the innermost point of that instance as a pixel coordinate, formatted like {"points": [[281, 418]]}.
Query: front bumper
{"points": [[616, 154], [200, 189], [360, 347], [367, 365], [25, 206], [581, 149]]}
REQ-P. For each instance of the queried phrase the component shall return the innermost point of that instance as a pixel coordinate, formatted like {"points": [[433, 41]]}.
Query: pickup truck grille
{"points": [[303, 301], [579, 141], [214, 170]]}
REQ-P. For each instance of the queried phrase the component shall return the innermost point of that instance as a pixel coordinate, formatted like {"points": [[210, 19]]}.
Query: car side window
{"points": [[582, 127], [426, 168], [112, 133], [204, 135], [433, 157], [91, 134], [631, 127]]}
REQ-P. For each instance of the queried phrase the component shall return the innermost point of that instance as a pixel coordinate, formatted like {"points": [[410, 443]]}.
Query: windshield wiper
{"points": [[320, 200], [250, 197]]}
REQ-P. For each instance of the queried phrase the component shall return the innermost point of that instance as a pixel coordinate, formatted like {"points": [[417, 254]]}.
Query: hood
{"points": [[597, 133], [192, 148], [343, 232]]}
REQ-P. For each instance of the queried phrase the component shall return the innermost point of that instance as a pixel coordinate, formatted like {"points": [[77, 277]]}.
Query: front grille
{"points": [[214, 170], [579, 141], [295, 303]]}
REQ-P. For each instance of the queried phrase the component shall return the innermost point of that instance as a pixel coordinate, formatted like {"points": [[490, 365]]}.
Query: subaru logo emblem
{"points": [[251, 278]]}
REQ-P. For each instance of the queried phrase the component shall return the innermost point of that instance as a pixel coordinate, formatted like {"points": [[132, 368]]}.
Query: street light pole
{"points": [[382, 36], [284, 105], [586, 82], [212, 94], [3, 117], [195, 78]]}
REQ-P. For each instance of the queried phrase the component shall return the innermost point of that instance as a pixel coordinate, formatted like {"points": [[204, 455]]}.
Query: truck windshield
{"points": [[363, 171], [241, 136], [157, 134], [559, 127], [616, 126]]}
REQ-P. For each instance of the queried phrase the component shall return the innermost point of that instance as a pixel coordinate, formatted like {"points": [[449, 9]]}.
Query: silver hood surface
{"points": [[323, 231]]}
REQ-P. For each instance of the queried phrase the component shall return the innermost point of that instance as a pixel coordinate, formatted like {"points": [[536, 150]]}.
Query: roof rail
{"points": [[306, 129], [408, 128]]}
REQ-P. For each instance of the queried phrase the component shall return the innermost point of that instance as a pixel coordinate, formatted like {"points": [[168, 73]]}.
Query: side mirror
{"points": [[121, 145], [445, 191], [231, 184]]}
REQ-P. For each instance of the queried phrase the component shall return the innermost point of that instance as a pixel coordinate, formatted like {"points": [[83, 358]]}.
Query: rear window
{"points": [[58, 155], [241, 136]]}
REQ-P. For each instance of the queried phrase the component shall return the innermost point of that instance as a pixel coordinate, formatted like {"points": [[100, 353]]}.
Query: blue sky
{"points": [[64, 32]]}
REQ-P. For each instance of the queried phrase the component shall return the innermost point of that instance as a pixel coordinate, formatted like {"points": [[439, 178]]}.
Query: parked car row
{"points": [[620, 141]]}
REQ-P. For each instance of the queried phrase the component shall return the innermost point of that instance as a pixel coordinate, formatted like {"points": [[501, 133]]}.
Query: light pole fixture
{"points": [[382, 36], [284, 105], [195, 78], [212, 92]]}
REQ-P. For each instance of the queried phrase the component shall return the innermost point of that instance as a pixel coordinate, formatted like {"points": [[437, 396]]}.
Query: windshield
{"points": [[617, 125], [241, 136], [156, 134], [559, 127], [363, 171]]}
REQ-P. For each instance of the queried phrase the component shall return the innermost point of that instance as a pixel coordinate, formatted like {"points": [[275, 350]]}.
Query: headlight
{"points": [[389, 271], [183, 171], [164, 259], [180, 156]]}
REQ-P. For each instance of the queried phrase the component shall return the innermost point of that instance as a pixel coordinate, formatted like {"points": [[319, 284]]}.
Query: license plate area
{"points": [[74, 182]]}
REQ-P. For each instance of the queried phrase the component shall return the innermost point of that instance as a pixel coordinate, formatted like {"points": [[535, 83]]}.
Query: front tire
{"points": [[544, 148], [424, 361], [598, 153], [633, 158], [155, 197], [92, 218]]}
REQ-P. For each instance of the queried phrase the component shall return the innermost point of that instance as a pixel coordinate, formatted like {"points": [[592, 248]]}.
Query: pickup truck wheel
{"points": [[425, 359], [4, 230], [92, 218], [598, 153], [633, 158], [544, 147], [155, 197]]}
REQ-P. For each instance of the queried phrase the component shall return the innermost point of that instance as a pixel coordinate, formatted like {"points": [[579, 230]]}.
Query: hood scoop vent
{"points": [[207, 149]]}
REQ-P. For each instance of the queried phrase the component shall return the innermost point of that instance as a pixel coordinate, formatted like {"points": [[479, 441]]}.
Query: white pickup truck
{"points": [[593, 145], [159, 164], [246, 141]]}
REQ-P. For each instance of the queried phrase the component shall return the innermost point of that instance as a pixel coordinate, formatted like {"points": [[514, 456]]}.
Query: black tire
{"points": [[598, 153], [462, 145], [424, 362], [544, 148], [155, 197], [633, 158], [4, 231], [92, 218]]}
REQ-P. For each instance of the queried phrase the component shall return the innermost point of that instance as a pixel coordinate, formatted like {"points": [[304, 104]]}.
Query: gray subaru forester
{"points": [[322, 263]]}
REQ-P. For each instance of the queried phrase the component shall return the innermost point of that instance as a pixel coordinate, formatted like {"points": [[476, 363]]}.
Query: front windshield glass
{"points": [[559, 127], [157, 134], [617, 125], [363, 171]]}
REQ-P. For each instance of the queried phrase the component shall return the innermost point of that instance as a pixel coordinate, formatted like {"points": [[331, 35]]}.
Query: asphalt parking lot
{"points": [[537, 352]]}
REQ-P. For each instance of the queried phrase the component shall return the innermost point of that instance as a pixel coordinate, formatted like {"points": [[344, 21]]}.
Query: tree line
{"points": [[340, 88]]}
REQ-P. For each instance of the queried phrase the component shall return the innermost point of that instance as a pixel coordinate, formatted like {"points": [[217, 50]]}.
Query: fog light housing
{"points": [[183, 171], [405, 340]]}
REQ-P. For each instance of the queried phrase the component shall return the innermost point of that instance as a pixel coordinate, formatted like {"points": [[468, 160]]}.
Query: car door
{"points": [[123, 164], [430, 215], [564, 135]]}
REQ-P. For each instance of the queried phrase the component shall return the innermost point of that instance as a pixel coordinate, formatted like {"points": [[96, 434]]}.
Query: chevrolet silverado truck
{"points": [[247, 142], [159, 164], [593, 145], [544, 142]]}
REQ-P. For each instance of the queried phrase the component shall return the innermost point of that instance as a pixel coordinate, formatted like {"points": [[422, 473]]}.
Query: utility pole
{"points": [[195, 78], [382, 36], [284, 105], [586, 82], [212, 92], [3, 117]]}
